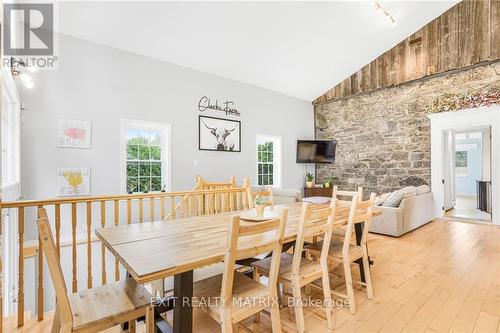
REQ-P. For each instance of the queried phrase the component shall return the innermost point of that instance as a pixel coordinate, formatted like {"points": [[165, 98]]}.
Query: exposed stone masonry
{"points": [[383, 137]]}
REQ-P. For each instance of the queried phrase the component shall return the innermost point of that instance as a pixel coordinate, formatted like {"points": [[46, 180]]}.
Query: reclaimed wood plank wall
{"points": [[465, 35]]}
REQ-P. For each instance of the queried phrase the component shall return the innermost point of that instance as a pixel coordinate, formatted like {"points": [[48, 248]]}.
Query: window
{"points": [[268, 160], [146, 152], [10, 132], [461, 163]]}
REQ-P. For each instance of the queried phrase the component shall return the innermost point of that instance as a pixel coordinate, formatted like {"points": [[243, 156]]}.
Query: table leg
{"points": [[358, 228], [183, 294]]}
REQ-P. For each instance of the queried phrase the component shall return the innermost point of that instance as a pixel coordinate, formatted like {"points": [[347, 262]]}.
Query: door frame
{"points": [[485, 116], [448, 180]]}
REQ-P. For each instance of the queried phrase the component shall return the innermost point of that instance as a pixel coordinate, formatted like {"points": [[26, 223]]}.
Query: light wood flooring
{"points": [[442, 277]]}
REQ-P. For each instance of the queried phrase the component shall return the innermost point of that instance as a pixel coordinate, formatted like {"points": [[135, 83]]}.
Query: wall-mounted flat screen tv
{"points": [[316, 151]]}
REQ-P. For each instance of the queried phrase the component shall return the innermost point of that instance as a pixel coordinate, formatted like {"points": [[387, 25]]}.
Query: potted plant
{"points": [[259, 205], [309, 180], [330, 181]]}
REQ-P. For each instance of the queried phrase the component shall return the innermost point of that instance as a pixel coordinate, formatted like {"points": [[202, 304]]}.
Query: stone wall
{"points": [[383, 137]]}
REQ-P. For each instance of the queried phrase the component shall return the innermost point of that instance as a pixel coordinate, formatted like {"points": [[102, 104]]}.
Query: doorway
{"points": [[467, 173]]}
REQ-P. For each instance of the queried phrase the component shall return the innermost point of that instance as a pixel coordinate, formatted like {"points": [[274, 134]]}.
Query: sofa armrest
{"points": [[417, 210], [390, 222]]}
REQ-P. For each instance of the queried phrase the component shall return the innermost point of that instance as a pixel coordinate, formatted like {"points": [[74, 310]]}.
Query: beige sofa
{"points": [[412, 213], [281, 196]]}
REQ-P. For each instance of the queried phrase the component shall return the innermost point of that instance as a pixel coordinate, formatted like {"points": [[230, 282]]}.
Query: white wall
{"points": [[104, 85]]}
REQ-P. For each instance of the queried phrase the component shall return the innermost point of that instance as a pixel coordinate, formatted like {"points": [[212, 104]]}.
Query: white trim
{"points": [[279, 163], [10, 85], [468, 120], [147, 125]]}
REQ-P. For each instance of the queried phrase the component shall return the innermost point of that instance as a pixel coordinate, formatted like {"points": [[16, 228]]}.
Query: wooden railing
{"points": [[202, 184], [69, 211]]}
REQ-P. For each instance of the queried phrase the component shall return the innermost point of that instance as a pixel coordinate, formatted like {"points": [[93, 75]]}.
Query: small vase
{"points": [[309, 184], [327, 185], [260, 210]]}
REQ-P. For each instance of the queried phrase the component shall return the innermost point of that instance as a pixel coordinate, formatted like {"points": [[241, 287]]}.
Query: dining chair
{"points": [[295, 271], [268, 193], [231, 296], [96, 309], [345, 252], [339, 232]]}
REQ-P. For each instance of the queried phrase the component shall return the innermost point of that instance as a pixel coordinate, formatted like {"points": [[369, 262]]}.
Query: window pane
{"points": [[132, 136], [265, 169], [132, 169], [260, 147], [259, 167], [270, 146], [144, 184], [270, 157], [260, 180], [271, 180], [271, 168], [132, 184], [259, 158], [264, 157], [143, 152], [132, 152], [155, 153], [155, 184], [156, 169], [144, 169], [155, 138], [265, 180], [143, 137], [460, 159]]}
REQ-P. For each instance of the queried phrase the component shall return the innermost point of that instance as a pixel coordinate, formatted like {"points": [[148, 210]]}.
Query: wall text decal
{"points": [[205, 104]]}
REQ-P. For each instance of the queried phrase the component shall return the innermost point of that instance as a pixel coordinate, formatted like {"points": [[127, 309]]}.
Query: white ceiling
{"points": [[300, 49]]}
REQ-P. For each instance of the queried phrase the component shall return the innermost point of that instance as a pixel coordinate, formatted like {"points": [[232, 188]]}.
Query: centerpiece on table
{"points": [[259, 205]]}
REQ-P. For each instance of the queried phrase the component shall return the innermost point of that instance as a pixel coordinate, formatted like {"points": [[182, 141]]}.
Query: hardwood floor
{"points": [[442, 277]]}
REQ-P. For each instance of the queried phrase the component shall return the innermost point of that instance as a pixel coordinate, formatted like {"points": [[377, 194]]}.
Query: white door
{"points": [[449, 169]]}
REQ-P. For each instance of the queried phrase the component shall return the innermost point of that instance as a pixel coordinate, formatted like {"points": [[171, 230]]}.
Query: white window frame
{"points": [[11, 132], [166, 130], [277, 158]]}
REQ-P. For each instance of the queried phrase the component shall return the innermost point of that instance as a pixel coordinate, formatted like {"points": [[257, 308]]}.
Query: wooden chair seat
{"points": [[335, 251], [307, 268], [97, 309], [207, 292], [108, 305]]}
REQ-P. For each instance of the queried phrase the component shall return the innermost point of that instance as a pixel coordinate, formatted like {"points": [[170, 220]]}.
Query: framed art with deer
{"points": [[219, 134]]}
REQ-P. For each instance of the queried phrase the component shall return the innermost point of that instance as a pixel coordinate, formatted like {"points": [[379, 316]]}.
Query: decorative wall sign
{"points": [[74, 133], [73, 181], [470, 100], [206, 104], [219, 134]]}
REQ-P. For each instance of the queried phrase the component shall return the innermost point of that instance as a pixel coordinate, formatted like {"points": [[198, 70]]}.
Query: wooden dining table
{"points": [[156, 250]]}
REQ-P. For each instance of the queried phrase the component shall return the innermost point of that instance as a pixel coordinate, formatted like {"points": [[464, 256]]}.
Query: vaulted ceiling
{"points": [[297, 48]]}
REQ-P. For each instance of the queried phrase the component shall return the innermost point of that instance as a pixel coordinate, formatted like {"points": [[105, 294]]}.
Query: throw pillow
{"points": [[381, 198], [394, 200], [422, 189]]}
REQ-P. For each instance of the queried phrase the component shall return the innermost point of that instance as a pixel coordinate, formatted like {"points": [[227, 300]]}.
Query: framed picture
{"points": [[73, 181], [74, 134], [219, 134]]}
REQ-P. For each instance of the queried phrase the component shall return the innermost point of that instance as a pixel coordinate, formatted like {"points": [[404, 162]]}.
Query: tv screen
{"points": [[316, 151]]}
